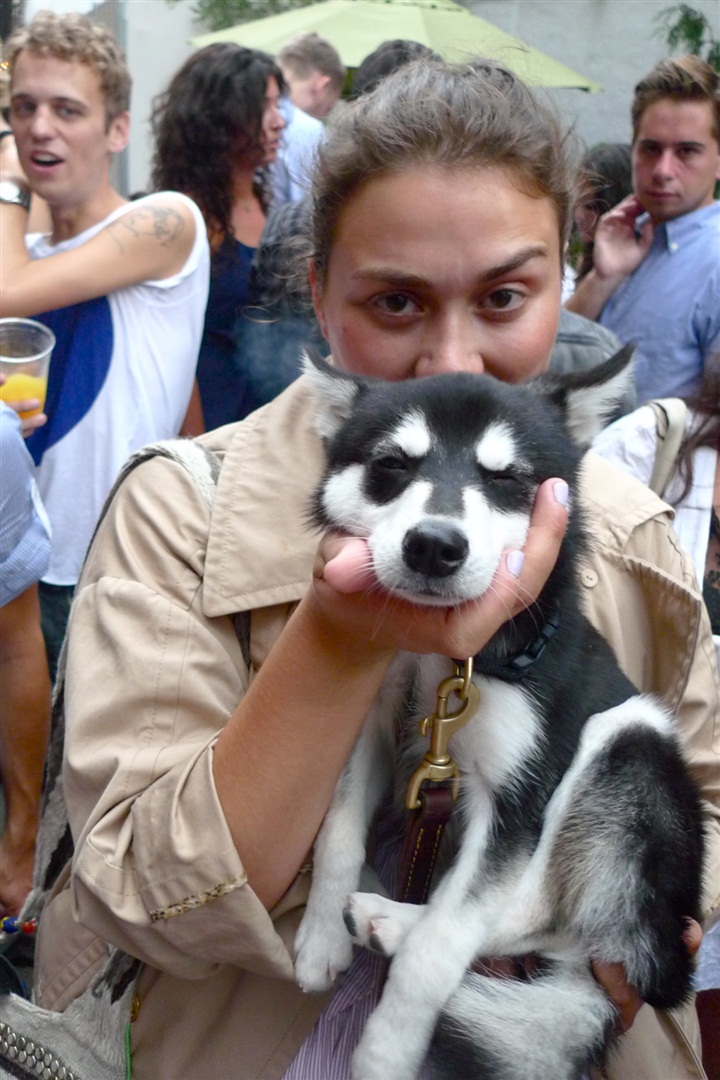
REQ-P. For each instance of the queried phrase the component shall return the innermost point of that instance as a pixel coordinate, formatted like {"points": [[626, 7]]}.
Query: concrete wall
{"points": [[613, 42], [158, 39], [155, 37]]}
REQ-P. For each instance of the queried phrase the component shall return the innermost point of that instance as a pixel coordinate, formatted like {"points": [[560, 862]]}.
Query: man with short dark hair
{"points": [[656, 278]]}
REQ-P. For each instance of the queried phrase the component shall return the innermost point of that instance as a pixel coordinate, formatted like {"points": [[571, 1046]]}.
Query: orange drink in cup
{"points": [[25, 350]]}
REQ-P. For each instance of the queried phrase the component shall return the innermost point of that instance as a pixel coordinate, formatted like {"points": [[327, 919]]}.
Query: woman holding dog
{"points": [[220, 662]]}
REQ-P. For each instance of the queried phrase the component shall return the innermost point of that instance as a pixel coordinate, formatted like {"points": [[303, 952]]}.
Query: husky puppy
{"points": [[577, 833]]}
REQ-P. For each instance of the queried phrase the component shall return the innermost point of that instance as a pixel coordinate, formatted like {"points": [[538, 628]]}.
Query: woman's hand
{"points": [[613, 979], [347, 593]]}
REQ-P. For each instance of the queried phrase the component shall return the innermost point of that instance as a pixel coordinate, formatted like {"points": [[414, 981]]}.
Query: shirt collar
{"points": [[680, 229], [286, 109]]}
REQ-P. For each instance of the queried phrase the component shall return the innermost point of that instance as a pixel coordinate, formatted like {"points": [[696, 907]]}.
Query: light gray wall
{"points": [[611, 41], [158, 42], [155, 37]]}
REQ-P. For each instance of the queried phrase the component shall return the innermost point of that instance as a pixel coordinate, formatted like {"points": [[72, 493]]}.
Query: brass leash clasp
{"points": [[438, 764]]}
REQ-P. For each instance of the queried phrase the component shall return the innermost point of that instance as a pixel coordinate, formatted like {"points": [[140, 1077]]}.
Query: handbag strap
{"points": [[670, 416]]}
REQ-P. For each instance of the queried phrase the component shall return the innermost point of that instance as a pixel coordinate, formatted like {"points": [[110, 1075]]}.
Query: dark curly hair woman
{"points": [[217, 128]]}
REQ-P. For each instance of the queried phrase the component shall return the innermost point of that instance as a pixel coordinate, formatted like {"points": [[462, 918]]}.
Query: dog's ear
{"points": [[590, 398], [336, 393]]}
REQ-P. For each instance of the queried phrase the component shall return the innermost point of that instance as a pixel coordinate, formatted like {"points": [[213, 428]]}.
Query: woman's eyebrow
{"points": [[394, 276], [390, 276], [518, 260]]}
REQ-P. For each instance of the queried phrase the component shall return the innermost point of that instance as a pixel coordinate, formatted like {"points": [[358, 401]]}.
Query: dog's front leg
{"points": [[323, 947], [434, 945], [427, 969]]}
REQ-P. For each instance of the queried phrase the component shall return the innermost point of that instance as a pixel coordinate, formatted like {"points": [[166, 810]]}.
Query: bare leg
{"points": [[24, 725]]}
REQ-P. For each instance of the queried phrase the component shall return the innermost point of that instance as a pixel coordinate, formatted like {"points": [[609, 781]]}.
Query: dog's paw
{"points": [[320, 956], [378, 923]]}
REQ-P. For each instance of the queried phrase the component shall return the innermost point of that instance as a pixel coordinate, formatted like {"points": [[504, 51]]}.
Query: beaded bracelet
{"points": [[10, 924]]}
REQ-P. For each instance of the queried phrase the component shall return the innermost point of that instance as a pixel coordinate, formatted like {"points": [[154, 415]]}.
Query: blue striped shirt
{"points": [[24, 527], [670, 306]]}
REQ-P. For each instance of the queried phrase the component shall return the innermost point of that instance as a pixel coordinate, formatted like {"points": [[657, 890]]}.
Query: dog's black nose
{"points": [[435, 549]]}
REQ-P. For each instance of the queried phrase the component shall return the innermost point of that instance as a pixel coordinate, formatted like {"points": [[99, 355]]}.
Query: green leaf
{"points": [[686, 29], [220, 14]]}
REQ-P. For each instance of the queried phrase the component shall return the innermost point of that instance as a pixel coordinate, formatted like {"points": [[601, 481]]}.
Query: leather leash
{"points": [[434, 786]]}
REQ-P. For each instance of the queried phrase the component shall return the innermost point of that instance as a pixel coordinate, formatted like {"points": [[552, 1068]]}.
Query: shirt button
{"points": [[674, 245], [589, 578]]}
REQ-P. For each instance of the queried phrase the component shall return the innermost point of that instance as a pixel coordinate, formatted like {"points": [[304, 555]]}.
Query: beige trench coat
{"points": [[155, 669]]}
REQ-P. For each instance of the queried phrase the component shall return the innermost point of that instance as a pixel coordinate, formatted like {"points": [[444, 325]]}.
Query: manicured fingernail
{"points": [[561, 492], [514, 561]]}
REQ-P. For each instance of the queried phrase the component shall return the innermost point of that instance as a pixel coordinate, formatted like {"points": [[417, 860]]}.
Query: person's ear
{"points": [[119, 133], [316, 291], [320, 86]]}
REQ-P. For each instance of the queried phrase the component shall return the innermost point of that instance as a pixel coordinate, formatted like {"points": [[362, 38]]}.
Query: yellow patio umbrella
{"points": [[357, 27]]}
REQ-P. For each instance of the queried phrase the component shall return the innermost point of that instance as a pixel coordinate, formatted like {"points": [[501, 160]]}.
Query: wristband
{"points": [[13, 194]]}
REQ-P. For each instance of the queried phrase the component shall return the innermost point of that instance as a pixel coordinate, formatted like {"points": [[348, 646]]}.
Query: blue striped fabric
{"points": [[326, 1053], [24, 528]]}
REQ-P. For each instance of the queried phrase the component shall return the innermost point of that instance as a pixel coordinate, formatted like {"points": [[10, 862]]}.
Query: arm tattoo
{"points": [[160, 222]]}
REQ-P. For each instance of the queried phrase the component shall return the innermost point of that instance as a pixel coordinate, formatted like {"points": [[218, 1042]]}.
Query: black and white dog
{"points": [[577, 832]]}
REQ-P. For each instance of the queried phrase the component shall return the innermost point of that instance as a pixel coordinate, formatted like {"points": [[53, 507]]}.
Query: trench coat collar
{"points": [[259, 530]]}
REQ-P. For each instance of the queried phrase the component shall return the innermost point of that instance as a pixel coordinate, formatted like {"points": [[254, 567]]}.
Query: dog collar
{"points": [[513, 669]]}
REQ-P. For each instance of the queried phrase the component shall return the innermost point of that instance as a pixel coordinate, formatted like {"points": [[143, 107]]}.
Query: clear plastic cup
{"points": [[25, 350]]}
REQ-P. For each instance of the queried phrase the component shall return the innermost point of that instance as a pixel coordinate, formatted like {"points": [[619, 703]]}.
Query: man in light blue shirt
{"points": [[292, 170], [314, 74], [656, 278], [671, 305]]}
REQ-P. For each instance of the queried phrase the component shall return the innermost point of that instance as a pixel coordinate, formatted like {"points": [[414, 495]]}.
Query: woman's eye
{"points": [[396, 303], [503, 300]]}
